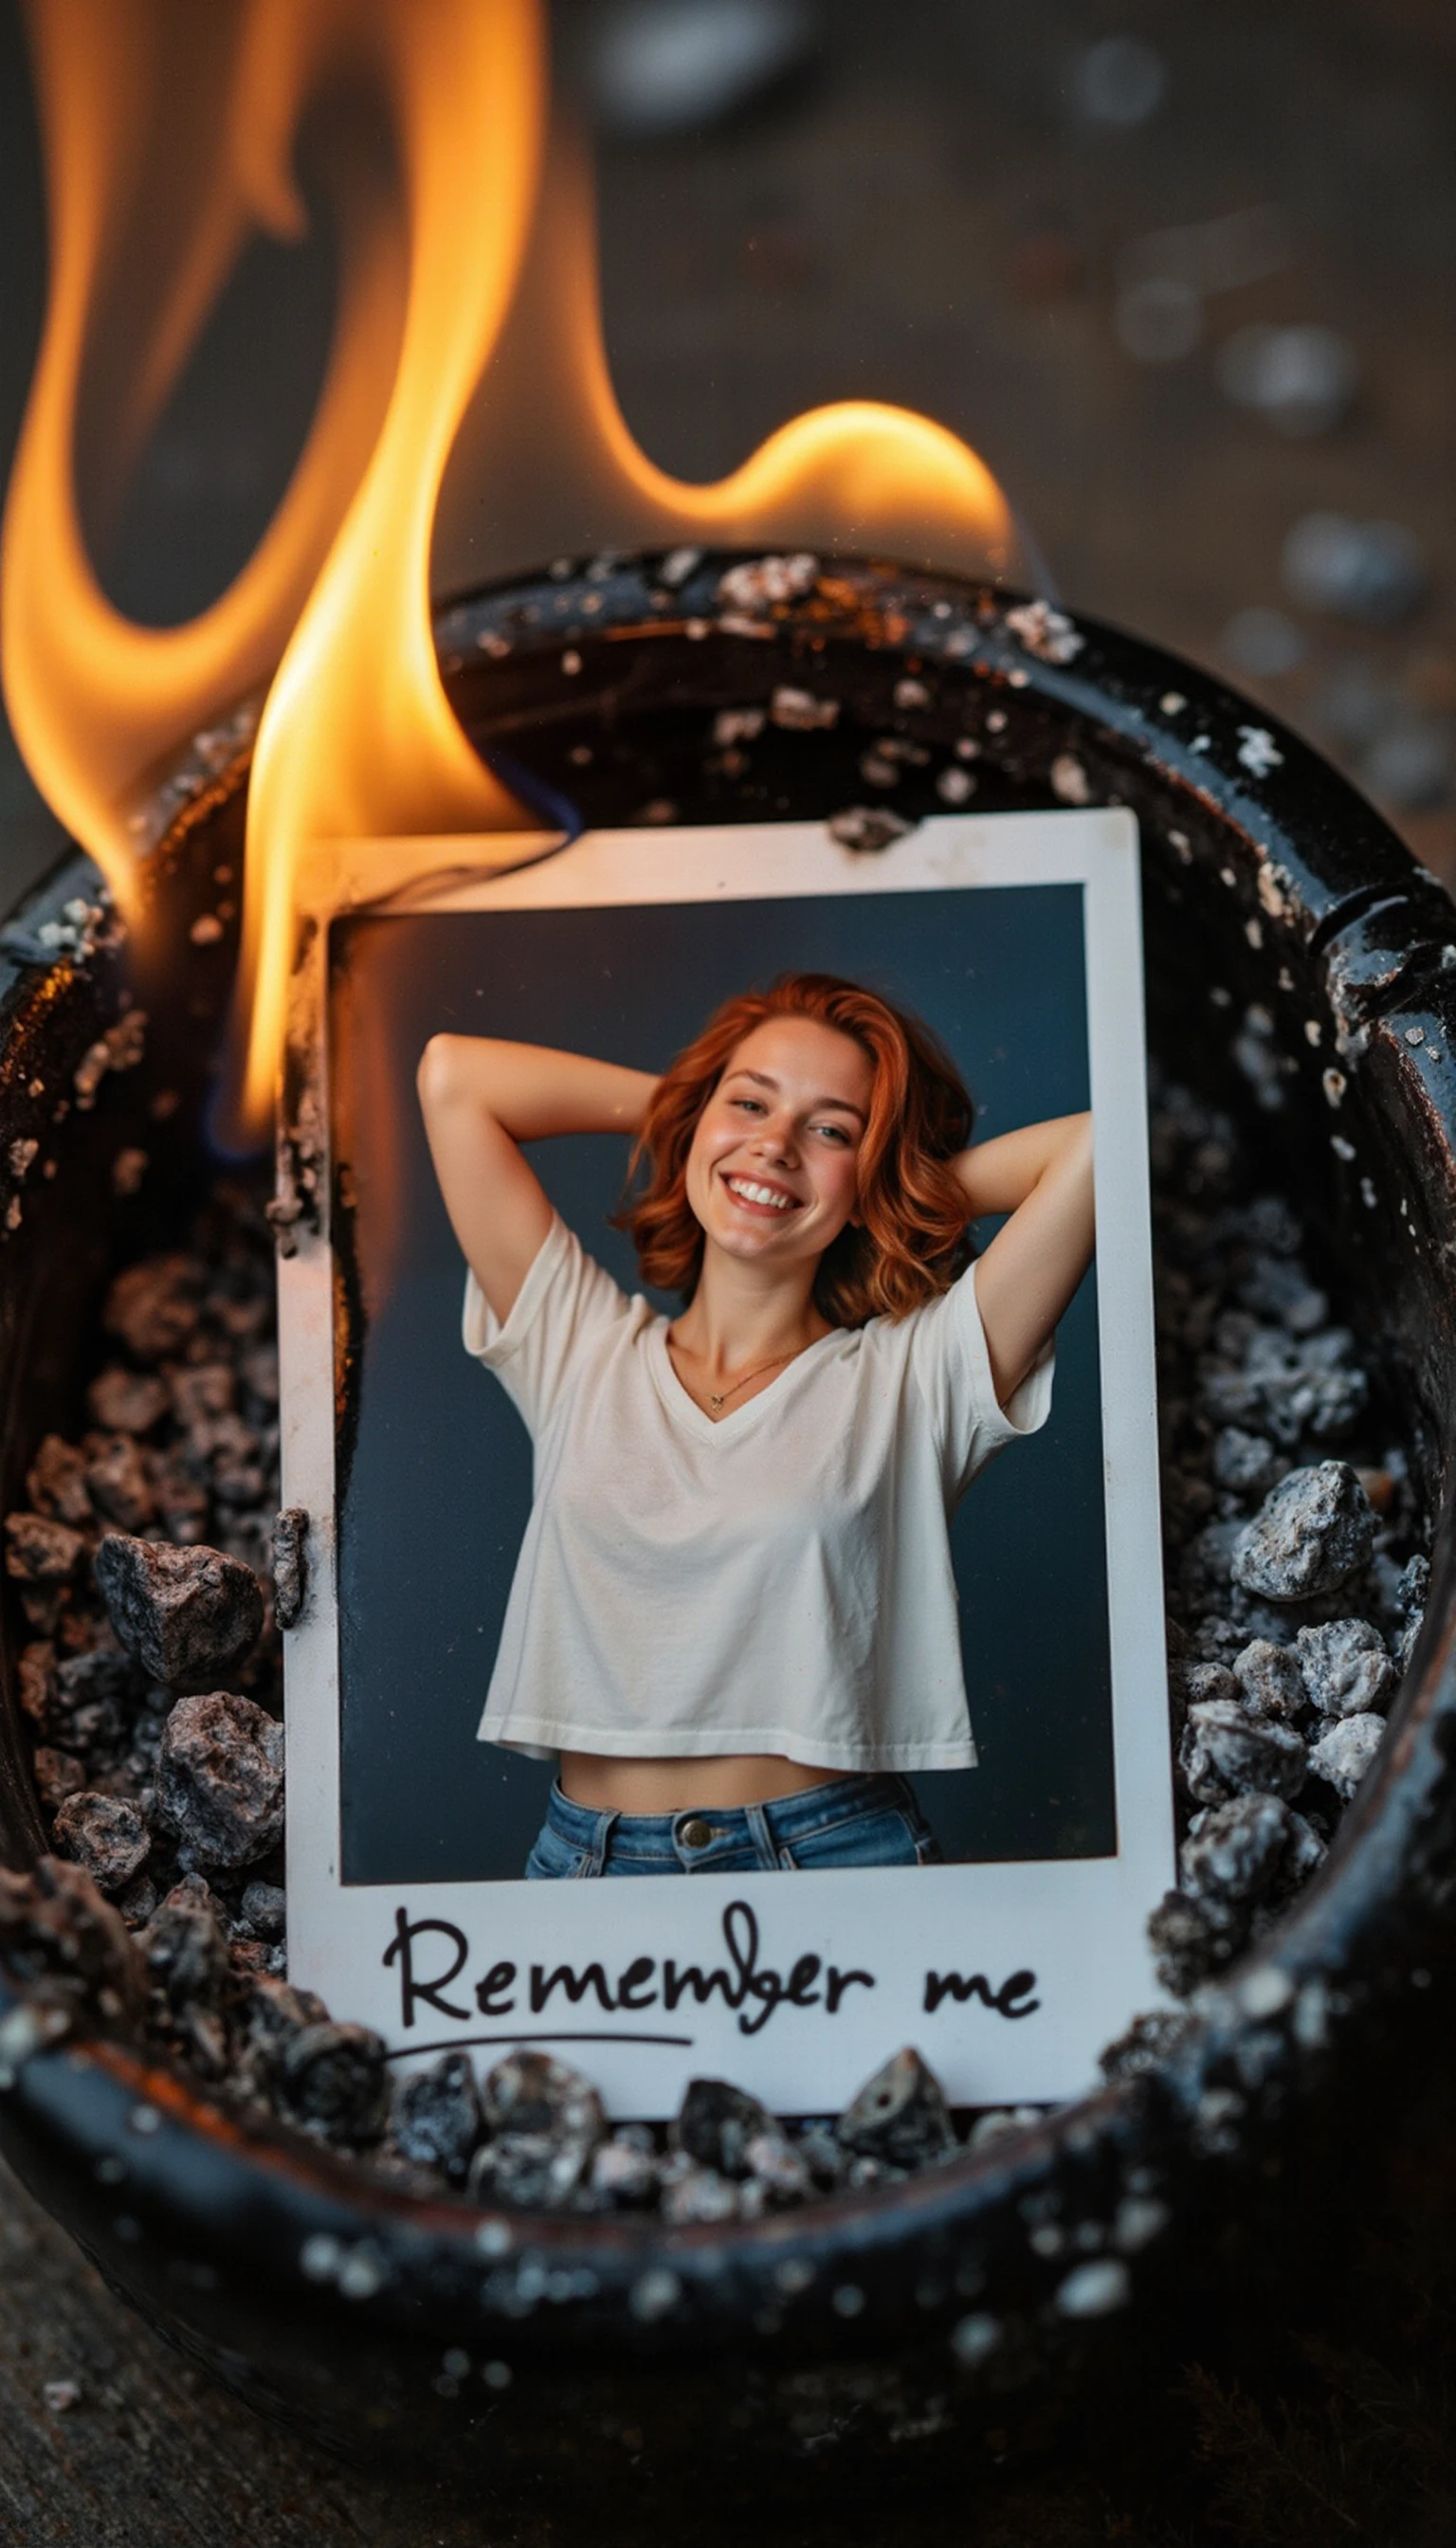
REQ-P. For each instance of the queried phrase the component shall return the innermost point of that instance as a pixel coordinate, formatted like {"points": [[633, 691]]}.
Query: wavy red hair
{"points": [[911, 1239]]}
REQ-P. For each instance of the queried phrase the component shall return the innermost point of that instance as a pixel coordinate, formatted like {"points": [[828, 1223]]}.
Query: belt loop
{"points": [[604, 1825], [766, 1848]]}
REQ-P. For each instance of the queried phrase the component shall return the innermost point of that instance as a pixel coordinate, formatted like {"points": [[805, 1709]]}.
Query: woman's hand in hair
{"points": [[1042, 1176], [481, 1098]]}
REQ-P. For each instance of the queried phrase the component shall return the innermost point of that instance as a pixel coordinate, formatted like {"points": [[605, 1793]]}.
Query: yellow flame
{"points": [[357, 734], [469, 293], [93, 698], [546, 462]]}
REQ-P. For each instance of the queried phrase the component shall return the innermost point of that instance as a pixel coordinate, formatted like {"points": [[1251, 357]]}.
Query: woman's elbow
{"points": [[440, 1078]]}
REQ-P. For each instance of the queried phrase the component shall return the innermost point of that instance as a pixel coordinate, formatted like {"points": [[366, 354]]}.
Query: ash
{"points": [[153, 1570]]}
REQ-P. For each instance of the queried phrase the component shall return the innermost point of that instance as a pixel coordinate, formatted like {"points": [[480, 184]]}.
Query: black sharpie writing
{"points": [[431, 1955]]}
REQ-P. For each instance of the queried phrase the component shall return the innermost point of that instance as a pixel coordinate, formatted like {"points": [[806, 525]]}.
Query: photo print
{"points": [[878, 1605]]}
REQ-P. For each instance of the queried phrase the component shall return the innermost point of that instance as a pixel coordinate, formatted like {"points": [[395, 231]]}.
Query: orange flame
{"points": [[469, 293]]}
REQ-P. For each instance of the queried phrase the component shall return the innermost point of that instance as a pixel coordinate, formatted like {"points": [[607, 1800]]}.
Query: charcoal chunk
{"points": [[117, 1481], [60, 1938], [289, 1565], [1346, 1668], [1344, 1754], [188, 1615], [899, 2116], [220, 1780], [715, 2123], [1269, 1679], [39, 1551], [128, 1402], [55, 1482], [544, 2121], [1309, 1536], [437, 2117], [58, 1775], [334, 2081], [155, 1307], [106, 1834], [1226, 1752]]}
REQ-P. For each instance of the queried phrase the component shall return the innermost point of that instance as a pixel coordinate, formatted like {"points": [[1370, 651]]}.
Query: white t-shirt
{"points": [[777, 1582]]}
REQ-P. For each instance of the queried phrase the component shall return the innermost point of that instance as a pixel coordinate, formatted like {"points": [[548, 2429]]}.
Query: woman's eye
{"points": [[750, 1105]]}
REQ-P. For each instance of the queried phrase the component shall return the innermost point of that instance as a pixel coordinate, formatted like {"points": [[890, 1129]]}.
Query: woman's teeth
{"points": [[759, 1193]]}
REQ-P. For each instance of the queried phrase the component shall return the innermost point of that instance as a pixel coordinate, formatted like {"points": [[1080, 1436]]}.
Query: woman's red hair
{"points": [[911, 1240]]}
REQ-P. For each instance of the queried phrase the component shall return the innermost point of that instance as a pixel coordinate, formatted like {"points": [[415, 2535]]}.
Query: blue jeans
{"points": [[846, 1822]]}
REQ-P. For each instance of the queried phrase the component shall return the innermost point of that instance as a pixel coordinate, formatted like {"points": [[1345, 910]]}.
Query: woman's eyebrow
{"points": [[766, 1080]]}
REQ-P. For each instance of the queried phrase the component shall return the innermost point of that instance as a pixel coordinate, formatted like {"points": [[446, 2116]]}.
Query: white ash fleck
{"points": [[800, 713], [1095, 2290], [1046, 632], [975, 2339], [759, 583], [1258, 753], [1069, 780]]}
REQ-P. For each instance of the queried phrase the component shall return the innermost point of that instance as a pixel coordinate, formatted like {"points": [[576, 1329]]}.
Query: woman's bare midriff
{"points": [[607, 1786]]}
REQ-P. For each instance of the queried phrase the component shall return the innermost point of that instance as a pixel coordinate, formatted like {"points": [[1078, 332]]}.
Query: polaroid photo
{"points": [[974, 1791]]}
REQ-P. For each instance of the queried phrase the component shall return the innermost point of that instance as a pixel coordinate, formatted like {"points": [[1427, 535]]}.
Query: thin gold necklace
{"points": [[718, 1398]]}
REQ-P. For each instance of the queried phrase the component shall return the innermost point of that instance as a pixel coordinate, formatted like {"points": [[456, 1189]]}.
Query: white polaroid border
{"points": [[1008, 1977]]}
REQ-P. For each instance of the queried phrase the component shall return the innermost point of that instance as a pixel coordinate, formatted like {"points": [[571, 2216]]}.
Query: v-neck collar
{"points": [[683, 1408]]}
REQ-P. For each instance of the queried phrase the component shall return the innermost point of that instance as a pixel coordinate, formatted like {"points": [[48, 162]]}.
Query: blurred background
{"points": [[1183, 273]]}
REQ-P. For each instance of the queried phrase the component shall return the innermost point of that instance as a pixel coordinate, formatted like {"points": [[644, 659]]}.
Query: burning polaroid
{"points": [[721, 1387]]}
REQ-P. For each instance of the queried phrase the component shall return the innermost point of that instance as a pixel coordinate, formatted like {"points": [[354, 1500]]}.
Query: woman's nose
{"points": [[775, 1136]]}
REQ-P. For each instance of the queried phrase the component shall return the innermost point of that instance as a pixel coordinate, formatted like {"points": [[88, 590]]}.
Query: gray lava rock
{"points": [[289, 1565], [1269, 1679], [1344, 1754], [899, 2116], [334, 2081], [56, 1483], [1226, 1752], [220, 1780], [691, 2193], [437, 2117], [273, 2017], [185, 1948], [624, 2171], [1246, 1463], [1311, 1534], [106, 1834], [1151, 2041], [188, 1615], [1233, 1856], [1188, 1944], [1346, 1668], [62, 1940], [265, 1909]]}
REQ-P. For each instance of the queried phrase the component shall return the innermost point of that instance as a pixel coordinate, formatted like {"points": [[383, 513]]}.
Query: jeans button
{"points": [[694, 1834]]}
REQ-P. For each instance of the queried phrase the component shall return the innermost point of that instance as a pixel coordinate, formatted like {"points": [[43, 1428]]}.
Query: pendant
{"points": [[715, 1402]]}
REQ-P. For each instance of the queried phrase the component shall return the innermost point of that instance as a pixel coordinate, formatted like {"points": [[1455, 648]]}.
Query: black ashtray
{"points": [[378, 2320]]}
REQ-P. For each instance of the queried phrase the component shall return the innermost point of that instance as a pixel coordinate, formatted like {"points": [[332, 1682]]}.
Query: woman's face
{"points": [[774, 1171]]}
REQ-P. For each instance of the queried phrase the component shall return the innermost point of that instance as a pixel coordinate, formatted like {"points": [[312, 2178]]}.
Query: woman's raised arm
{"points": [[481, 1098], [1043, 1177]]}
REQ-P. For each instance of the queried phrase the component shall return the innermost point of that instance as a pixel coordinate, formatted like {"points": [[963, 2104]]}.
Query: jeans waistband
{"points": [[700, 1833]]}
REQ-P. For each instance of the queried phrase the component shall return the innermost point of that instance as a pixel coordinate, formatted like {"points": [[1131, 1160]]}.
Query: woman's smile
{"points": [[755, 1196]]}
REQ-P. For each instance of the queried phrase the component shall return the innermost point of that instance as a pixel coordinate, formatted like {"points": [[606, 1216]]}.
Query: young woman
{"points": [[734, 1613]]}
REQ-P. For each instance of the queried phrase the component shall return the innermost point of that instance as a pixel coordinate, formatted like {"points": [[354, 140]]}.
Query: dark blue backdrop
{"points": [[437, 1482]]}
